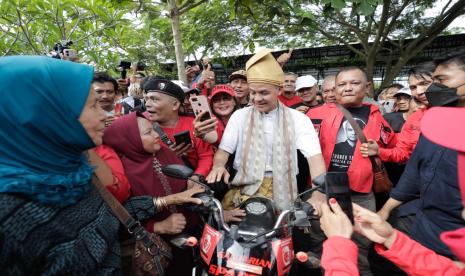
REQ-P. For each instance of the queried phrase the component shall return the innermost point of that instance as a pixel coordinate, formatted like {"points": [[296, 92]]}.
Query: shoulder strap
{"points": [[358, 131], [116, 208], [163, 136]]}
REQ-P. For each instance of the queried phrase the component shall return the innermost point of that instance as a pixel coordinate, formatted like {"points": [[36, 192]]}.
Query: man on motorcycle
{"points": [[265, 138]]}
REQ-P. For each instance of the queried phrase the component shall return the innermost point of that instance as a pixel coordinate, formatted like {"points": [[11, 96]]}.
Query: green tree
{"points": [[34, 26], [385, 28], [174, 10]]}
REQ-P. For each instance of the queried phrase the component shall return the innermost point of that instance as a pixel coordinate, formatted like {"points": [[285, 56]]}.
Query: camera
{"points": [[64, 49], [206, 61], [123, 67]]}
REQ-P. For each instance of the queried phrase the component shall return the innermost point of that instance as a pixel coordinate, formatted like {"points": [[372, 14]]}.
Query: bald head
{"points": [[351, 87]]}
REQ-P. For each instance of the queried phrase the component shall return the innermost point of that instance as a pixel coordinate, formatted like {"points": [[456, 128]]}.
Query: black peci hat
{"points": [[164, 86]]}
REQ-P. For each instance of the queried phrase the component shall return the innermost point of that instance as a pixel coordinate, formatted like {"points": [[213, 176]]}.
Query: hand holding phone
{"points": [[334, 222], [337, 187], [183, 143], [200, 104], [183, 137]]}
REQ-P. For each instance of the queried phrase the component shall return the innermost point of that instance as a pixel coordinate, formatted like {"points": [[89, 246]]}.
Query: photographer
{"points": [[134, 100]]}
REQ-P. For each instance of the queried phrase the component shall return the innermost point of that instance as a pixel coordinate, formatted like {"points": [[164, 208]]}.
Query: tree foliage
{"points": [[105, 31], [96, 28], [385, 28]]}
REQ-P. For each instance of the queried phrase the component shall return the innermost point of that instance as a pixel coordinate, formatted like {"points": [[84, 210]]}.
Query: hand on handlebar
{"points": [[216, 174], [234, 215], [316, 200], [186, 196]]}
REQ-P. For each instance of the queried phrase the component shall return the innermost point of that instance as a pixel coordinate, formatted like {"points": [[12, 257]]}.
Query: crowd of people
{"points": [[265, 133]]}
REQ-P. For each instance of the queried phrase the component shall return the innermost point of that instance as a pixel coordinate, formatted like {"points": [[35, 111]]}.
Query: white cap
{"points": [[304, 82], [405, 91]]}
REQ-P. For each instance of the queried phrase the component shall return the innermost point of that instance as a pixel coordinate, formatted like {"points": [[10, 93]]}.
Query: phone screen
{"points": [[200, 104], [183, 137], [337, 187], [205, 117]]}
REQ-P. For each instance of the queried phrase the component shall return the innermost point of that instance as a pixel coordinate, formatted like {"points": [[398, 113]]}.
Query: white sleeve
{"points": [[230, 138], [306, 138]]}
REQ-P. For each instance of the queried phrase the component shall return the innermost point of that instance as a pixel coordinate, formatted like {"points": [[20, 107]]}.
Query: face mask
{"points": [[441, 95]]}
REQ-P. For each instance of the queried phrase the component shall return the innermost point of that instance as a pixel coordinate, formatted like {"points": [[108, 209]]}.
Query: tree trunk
{"points": [[393, 71], [175, 25], [370, 67]]}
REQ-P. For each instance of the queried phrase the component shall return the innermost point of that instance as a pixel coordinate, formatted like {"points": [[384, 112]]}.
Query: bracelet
{"points": [[160, 203]]}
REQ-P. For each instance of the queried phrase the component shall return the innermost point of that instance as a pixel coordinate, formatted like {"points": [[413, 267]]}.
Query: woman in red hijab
{"points": [[142, 156]]}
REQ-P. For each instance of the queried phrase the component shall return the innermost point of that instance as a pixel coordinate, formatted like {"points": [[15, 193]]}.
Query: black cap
{"points": [[164, 86]]}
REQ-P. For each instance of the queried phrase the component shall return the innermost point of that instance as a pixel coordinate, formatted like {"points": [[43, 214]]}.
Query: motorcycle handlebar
{"points": [[218, 208]]}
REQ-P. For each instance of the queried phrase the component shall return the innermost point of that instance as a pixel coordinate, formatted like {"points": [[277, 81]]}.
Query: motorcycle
{"points": [[261, 244]]}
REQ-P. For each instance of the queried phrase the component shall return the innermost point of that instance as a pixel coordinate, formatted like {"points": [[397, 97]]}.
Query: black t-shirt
{"points": [[396, 120], [347, 139]]}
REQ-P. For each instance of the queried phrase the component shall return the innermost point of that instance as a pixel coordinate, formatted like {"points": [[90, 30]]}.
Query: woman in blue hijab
{"points": [[52, 219]]}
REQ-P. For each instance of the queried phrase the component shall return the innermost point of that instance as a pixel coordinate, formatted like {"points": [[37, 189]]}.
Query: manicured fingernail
{"points": [[332, 201]]}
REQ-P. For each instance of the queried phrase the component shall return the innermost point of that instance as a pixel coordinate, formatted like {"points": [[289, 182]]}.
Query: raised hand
{"points": [[284, 58], [207, 76]]}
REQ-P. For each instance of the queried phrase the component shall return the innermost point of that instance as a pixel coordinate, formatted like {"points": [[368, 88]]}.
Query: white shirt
{"points": [[129, 100], [306, 138]]}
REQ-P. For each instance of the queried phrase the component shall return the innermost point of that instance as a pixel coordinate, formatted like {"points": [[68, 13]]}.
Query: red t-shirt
{"points": [[290, 102], [201, 155]]}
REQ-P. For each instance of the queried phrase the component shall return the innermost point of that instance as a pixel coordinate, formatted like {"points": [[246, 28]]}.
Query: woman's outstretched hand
{"points": [[186, 196], [372, 226]]}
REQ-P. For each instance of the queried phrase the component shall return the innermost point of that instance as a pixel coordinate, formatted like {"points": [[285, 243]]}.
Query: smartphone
{"points": [[69, 53], [337, 186], [389, 105], [118, 109], [199, 104], [183, 137]]}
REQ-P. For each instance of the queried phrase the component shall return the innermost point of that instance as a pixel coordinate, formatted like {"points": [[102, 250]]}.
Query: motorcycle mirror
{"points": [[177, 171]]}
